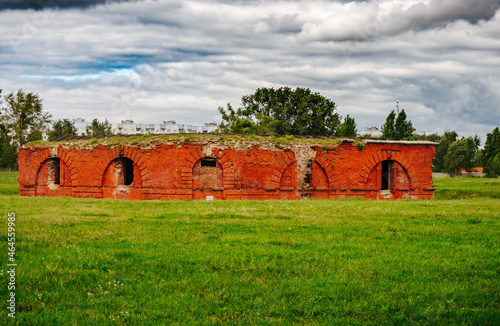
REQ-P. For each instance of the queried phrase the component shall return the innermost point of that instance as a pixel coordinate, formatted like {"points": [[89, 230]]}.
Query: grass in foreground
{"points": [[358, 262], [467, 188], [8, 183]]}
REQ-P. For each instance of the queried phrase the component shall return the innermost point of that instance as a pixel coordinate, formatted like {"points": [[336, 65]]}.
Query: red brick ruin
{"points": [[210, 169]]}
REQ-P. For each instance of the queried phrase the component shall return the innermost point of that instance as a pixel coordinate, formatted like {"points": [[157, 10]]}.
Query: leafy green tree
{"points": [[492, 168], [282, 111], [397, 127], [241, 121], [403, 129], [388, 129], [348, 128], [461, 155], [442, 149], [8, 150], [480, 159], [24, 116], [98, 128], [491, 153], [62, 127], [431, 137]]}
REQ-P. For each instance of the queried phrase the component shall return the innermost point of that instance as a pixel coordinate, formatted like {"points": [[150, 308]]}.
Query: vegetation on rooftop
{"points": [[148, 140]]}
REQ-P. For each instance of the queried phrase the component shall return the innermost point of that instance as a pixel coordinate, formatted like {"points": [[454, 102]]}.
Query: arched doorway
{"points": [[121, 179], [208, 179], [52, 178], [390, 179]]}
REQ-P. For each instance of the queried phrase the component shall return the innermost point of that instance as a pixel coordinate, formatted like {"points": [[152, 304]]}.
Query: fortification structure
{"points": [[228, 167]]}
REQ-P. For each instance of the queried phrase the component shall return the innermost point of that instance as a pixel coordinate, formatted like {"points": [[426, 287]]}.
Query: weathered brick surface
{"points": [[175, 171]]}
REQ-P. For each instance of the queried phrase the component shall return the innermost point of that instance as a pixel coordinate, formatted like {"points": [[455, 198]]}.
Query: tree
{"points": [[24, 116], [493, 167], [430, 137], [97, 128], [347, 128], [388, 129], [442, 149], [8, 151], [492, 153], [240, 121], [62, 128], [480, 159], [282, 111], [403, 129], [397, 127], [461, 155]]}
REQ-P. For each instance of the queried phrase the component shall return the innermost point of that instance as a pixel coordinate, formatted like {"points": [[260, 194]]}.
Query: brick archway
{"points": [[288, 158], [385, 155], [123, 151], [328, 166], [288, 172], [281, 165], [196, 154], [53, 153]]}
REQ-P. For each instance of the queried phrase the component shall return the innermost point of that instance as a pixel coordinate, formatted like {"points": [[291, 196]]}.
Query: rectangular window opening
{"points": [[208, 163]]}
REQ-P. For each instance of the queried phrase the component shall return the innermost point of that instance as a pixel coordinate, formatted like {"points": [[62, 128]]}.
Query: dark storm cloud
{"points": [[364, 21], [439, 13], [43, 4]]}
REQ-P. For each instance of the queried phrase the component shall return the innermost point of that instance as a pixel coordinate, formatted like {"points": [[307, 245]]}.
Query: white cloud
{"points": [[161, 60]]}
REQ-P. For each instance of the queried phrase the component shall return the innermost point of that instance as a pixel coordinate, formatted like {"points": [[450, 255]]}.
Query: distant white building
{"points": [[128, 127], [372, 131], [81, 126]]}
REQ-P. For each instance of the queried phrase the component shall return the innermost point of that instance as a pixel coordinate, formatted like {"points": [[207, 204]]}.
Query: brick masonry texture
{"points": [[375, 169]]}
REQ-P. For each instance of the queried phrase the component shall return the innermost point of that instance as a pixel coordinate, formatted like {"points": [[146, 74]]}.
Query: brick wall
{"points": [[197, 170]]}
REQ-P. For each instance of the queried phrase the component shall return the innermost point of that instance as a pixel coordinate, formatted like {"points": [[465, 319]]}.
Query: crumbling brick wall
{"points": [[376, 169]]}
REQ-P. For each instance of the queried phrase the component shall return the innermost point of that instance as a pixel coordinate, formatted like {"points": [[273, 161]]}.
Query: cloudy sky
{"points": [[169, 59]]}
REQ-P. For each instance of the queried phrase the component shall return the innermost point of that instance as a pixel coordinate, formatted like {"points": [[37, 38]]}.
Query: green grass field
{"points": [[314, 262]]}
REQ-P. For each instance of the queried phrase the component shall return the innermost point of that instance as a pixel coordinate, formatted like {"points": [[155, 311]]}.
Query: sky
{"points": [[157, 60]]}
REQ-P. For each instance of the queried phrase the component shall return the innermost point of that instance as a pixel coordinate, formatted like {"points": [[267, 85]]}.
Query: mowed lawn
{"points": [[310, 262]]}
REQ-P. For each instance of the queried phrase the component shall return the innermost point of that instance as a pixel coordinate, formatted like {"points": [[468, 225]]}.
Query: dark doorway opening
{"points": [[128, 171], [386, 175]]}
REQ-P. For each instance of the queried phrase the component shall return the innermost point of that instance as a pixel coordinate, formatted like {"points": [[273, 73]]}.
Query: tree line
{"points": [[299, 111], [23, 120], [282, 111], [455, 154]]}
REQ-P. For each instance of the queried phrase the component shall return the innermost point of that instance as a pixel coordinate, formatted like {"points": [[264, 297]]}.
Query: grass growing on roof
{"points": [[236, 140]]}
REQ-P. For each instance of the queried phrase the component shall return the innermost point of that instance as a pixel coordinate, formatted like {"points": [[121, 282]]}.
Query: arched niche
{"points": [[319, 181], [208, 179], [122, 179], [288, 181], [52, 175], [121, 171]]}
